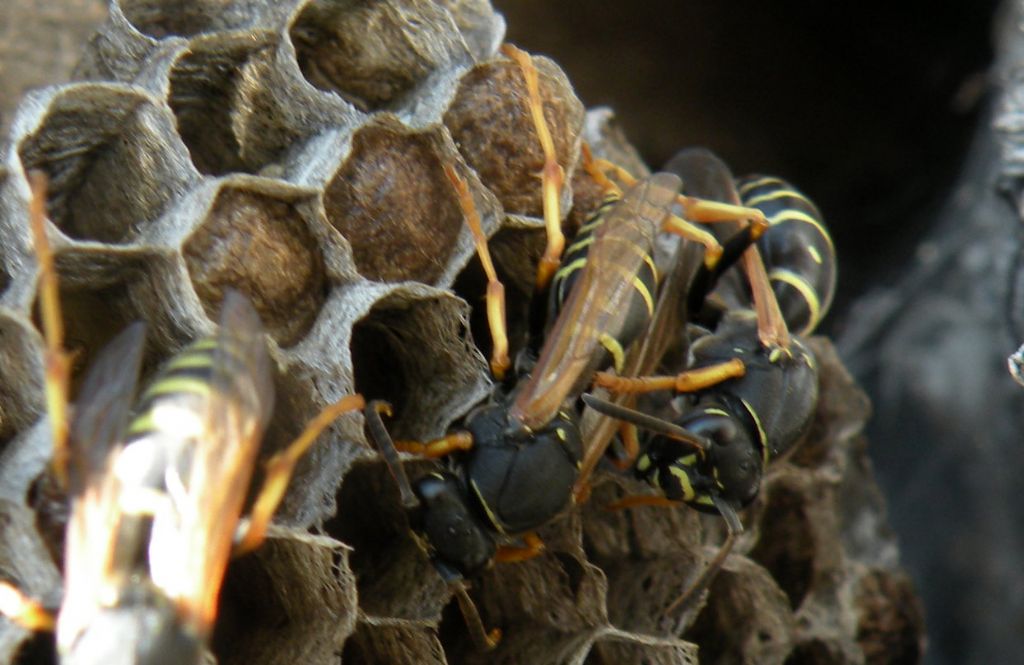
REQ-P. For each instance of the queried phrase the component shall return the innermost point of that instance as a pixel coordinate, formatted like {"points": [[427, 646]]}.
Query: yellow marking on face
{"points": [[615, 349], [815, 254], [643, 464], [688, 460], [774, 355], [684, 482], [806, 292], [560, 433], [705, 500]]}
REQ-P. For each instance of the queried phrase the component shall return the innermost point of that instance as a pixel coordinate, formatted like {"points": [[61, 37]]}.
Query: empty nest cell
{"points": [[414, 354], [292, 600], [393, 203], [111, 164], [263, 247], [374, 53], [207, 92], [490, 121]]}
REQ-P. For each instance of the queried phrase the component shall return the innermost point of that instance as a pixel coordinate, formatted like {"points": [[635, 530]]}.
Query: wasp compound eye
{"points": [[722, 430]]}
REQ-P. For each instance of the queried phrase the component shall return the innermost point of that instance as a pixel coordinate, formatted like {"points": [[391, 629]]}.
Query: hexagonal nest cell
{"points": [[206, 88], [374, 54], [393, 203], [112, 165], [490, 120], [354, 249], [263, 247]]}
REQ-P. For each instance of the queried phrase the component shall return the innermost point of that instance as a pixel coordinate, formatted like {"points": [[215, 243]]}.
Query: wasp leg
{"points": [[706, 278], [735, 528], [598, 169], [24, 611], [771, 325], [58, 362], [689, 381], [446, 445], [628, 434], [495, 289], [484, 639], [532, 547], [280, 468], [552, 177]]}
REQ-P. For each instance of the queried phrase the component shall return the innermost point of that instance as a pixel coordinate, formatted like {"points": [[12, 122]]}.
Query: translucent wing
{"points": [[704, 176], [599, 301], [100, 544], [191, 544]]}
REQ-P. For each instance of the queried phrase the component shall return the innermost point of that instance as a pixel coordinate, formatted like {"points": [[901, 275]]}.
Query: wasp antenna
{"points": [[386, 447], [735, 527], [640, 419]]}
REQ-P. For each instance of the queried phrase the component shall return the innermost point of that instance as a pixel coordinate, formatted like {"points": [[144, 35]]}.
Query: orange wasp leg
{"points": [[532, 546], [685, 382], [495, 289], [446, 445], [24, 611], [631, 443], [281, 466], [771, 325], [694, 209], [552, 176], [58, 362]]}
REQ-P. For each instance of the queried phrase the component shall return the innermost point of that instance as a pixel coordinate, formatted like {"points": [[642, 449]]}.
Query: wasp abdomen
{"points": [[797, 250]]}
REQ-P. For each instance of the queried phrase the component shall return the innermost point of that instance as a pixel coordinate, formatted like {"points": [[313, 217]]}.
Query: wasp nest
{"points": [[294, 151]]}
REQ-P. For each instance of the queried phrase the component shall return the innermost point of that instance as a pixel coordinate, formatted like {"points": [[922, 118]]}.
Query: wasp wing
{"points": [[100, 545], [599, 303], [191, 545], [704, 176]]}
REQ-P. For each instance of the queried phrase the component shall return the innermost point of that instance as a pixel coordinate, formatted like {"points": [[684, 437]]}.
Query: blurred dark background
{"points": [[881, 112]]}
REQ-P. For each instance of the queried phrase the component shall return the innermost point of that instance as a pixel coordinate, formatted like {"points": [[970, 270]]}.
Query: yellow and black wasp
{"points": [[744, 402], [157, 493], [519, 454]]}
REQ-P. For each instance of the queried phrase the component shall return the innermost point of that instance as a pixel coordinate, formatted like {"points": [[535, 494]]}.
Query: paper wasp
{"points": [[745, 402], [518, 456], [157, 492]]}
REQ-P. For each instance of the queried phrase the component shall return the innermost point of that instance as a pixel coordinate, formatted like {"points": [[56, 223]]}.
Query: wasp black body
{"points": [[746, 421], [741, 403], [519, 456]]}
